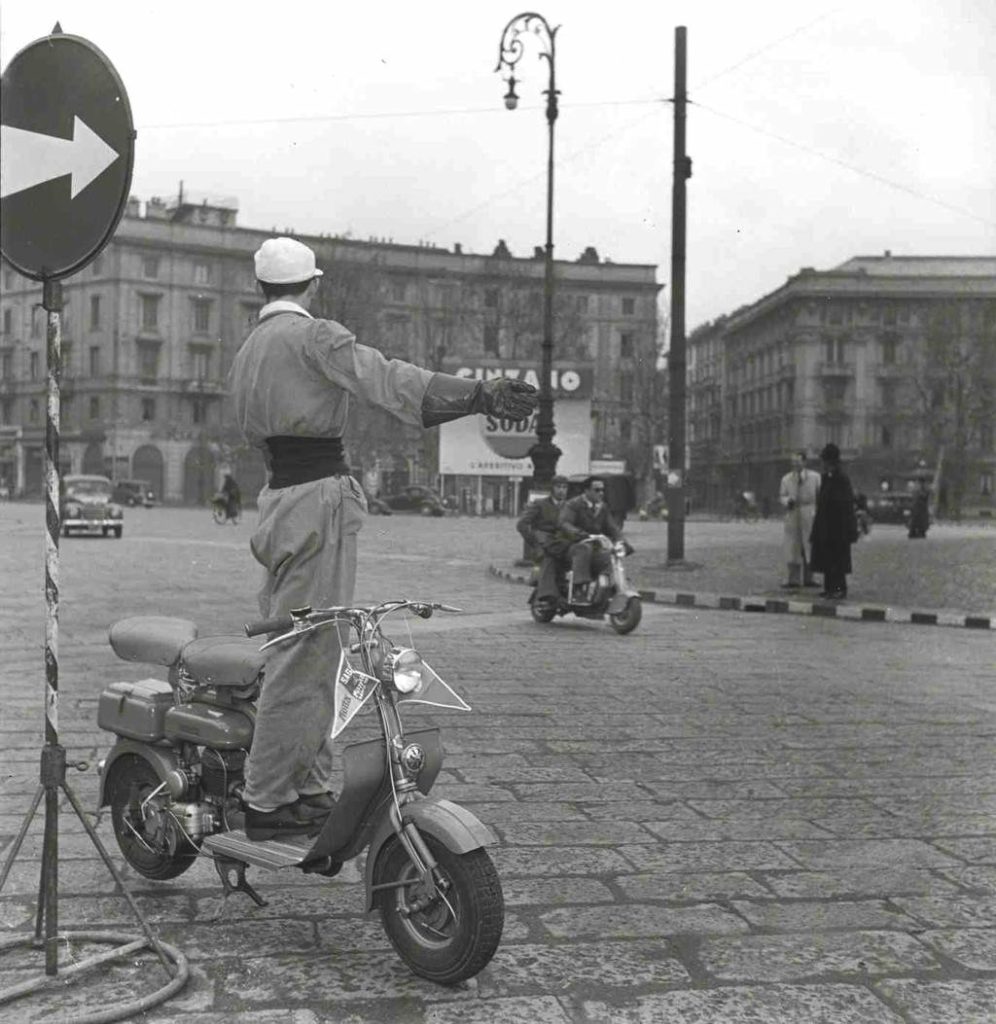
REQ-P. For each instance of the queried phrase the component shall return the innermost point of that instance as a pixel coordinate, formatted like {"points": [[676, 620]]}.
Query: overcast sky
{"points": [[818, 130]]}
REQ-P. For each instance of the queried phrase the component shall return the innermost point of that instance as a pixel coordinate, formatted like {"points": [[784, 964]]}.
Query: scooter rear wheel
{"points": [[456, 935], [148, 834]]}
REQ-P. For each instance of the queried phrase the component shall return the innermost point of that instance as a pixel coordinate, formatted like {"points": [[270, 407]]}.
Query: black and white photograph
{"points": [[497, 514]]}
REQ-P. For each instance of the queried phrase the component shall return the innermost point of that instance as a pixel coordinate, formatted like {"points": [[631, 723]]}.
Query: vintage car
{"points": [[416, 498], [890, 506], [86, 506], [134, 492]]}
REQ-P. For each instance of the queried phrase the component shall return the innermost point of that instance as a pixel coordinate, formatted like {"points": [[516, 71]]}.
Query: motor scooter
{"points": [[174, 778], [613, 597]]}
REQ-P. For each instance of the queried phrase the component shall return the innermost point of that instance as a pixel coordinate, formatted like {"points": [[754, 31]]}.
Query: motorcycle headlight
{"points": [[403, 667]]}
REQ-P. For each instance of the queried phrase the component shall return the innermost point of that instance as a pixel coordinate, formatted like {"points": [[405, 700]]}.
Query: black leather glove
{"points": [[449, 398], [508, 399]]}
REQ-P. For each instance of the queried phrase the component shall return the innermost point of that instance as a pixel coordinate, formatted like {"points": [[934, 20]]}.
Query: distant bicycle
{"points": [[220, 511]]}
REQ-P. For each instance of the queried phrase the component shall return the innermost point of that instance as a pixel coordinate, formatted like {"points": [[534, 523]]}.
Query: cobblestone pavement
{"points": [[719, 818]]}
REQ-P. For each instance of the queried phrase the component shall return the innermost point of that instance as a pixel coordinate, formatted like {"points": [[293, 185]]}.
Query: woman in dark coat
{"points": [[835, 526]]}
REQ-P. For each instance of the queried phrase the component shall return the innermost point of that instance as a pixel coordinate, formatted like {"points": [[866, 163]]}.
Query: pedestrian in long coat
{"points": [[835, 526], [797, 495]]}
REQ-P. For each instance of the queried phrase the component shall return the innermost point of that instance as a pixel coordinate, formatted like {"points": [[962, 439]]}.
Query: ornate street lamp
{"points": [[544, 453]]}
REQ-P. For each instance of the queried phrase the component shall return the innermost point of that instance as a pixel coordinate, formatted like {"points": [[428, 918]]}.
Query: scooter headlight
{"points": [[403, 667]]}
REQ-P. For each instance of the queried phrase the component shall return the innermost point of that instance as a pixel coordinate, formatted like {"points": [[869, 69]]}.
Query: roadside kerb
{"points": [[760, 603]]}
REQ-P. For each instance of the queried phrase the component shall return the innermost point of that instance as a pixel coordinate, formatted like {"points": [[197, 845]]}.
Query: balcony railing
{"points": [[835, 369]]}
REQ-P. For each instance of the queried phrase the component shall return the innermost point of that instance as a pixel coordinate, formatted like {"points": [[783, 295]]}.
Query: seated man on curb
{"points": [[583, 517], [538, 525]]}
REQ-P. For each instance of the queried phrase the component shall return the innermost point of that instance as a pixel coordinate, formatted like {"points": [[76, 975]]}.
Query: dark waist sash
{"points": [[298, 460]]}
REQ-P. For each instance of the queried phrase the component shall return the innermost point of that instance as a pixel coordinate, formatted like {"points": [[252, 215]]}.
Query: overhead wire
{"points": [[872, 175]]}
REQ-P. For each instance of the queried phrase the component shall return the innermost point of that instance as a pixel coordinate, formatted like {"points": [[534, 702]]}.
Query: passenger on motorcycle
{"points": [[582, 517], [538, 525]]}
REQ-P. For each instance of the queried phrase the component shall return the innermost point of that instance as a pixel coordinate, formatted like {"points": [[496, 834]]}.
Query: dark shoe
{"points": [[317, 801], [294, 819], [837, 595]]}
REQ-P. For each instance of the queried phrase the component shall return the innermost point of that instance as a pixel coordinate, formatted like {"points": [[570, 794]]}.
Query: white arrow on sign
{"points": [[30, 158]]}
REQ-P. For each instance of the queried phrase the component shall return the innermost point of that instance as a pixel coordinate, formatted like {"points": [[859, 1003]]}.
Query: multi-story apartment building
{"points": [[151, 326], [892, 358]]}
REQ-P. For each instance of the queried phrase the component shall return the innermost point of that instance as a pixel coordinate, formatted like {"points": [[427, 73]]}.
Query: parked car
{"points": [[134, 492], [86, 505], [890, 507], [377, 506], [416, 498]]}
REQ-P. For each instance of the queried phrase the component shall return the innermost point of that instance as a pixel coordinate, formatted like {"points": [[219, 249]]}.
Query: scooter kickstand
{"points": [[226, 868]]}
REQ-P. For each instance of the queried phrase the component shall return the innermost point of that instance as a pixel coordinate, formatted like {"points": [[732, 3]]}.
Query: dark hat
{"points": [[559, 480], [830, 453]]}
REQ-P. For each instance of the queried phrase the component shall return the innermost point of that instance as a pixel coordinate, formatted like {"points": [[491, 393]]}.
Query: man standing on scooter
{"points": [[291, 382], [585, 516]]}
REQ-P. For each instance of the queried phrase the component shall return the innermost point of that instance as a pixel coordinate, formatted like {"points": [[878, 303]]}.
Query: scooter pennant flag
{"points": [[432, 690], [352, 690]]}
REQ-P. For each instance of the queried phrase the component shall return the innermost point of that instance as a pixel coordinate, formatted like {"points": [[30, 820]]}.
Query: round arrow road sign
{"points": [[67, 145]]}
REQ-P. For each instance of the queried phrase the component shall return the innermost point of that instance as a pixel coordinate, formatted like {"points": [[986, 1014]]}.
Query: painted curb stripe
{"points": [[780, 606]]}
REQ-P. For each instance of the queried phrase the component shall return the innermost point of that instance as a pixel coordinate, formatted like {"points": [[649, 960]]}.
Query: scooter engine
{"points": [[222, 771]]}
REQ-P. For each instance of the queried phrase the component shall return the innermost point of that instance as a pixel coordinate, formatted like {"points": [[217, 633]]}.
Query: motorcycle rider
{"points": [[539, 526], [585, 516], [291, 383]]}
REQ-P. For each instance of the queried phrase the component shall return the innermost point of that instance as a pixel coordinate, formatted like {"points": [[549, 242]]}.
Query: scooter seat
{"points": [[223, 660], [154, 639]]}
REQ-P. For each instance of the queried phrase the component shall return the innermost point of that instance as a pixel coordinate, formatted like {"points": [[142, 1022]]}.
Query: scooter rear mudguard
{"points": [[163, 760], [454, 826]]}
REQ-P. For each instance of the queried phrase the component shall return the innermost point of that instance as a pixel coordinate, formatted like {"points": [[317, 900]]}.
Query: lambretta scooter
{"points": [[613, 596], [174, 779]]}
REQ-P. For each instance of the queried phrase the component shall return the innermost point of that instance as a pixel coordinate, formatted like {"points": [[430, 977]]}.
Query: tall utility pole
{"points": [[676, 353]]}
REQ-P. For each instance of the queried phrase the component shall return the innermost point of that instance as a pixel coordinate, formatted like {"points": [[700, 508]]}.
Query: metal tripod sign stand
{"points": [[67, 147]]}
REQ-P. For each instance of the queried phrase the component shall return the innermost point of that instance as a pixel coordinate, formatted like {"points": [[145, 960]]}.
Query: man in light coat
{"points": [[797, 494]]}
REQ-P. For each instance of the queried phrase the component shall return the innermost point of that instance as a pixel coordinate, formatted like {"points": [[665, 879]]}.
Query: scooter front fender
{"points": [[162, 760], [454, 826], [619, 601]]}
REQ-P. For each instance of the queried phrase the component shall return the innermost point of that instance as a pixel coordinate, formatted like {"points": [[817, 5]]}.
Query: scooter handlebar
{"points": [[280, 625]]}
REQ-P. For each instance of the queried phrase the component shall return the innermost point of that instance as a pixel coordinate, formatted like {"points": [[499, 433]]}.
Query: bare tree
{"points": [[953, 381]]}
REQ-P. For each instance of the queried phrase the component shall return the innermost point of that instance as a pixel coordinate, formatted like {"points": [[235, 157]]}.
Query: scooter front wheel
{"points": [[629, 618], [145, 826], [457, 933], [542, 611]]}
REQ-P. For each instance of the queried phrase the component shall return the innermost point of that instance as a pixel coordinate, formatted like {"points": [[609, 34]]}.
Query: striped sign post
{"points": [[53, 771], [67, 145]]}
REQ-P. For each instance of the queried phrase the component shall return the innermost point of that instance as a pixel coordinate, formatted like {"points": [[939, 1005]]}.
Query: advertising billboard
{"points": [[486, 446]]}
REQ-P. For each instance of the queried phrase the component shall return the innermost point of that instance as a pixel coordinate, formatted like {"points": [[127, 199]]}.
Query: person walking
{"points": [[835, 526], [539, 526], [233, 499], [919, 511], [291, 382], [797, 495]]}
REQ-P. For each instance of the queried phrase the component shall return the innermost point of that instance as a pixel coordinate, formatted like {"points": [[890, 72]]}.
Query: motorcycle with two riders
{"points": [[610, 595], [174, 777]]}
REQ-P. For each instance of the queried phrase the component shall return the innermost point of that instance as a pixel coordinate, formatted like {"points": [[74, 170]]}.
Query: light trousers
{"points": [[306, 542]]}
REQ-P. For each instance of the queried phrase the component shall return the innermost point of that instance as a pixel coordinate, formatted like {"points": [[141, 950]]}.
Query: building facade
{"points": [[891, 358], [151, 326]]}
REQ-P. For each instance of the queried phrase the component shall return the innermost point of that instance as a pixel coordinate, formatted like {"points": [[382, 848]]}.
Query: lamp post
{"points": [[544, 453]]}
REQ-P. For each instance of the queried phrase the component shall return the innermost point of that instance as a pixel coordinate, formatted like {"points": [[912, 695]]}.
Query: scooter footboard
{"points": [[454, 826]]}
